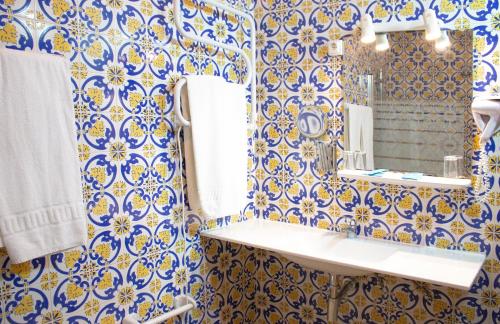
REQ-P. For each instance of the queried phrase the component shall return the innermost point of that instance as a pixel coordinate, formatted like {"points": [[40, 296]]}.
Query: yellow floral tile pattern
{"points": [[125, 58], [294, 70]]}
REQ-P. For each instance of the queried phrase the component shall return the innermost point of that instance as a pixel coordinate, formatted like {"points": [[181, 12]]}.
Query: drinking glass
{"points": [[450, 166], [460, 165], [360, 160], [349, 162]]}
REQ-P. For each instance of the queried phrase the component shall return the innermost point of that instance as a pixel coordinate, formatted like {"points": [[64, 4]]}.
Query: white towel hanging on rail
{"points": [[216, 145], [41, 204]]}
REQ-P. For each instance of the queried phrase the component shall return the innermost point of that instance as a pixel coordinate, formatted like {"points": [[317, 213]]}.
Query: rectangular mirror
{"points": [[408, 107]]}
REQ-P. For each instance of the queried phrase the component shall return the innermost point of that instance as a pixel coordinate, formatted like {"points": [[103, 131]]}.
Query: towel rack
{"points": [[182, 304], [250, 62]]}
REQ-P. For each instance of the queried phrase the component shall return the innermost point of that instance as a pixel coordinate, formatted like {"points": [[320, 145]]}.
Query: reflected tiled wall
{"points": [[125, 58], [421, 98], [293, 69]]}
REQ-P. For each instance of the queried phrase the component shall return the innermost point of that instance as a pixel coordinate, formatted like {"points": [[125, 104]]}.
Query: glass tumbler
{"points": [[450, 166], [360, 160], [460, 166], [349, 162]]}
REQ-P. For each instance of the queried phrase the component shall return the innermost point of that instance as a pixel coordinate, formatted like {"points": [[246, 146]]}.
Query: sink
{"points": [[334, 253], [312, 239], [325, 267]]}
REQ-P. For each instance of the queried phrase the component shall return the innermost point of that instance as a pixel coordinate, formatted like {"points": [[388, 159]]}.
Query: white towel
{"points": [[361, 132], [41, 206], [215, 145]]}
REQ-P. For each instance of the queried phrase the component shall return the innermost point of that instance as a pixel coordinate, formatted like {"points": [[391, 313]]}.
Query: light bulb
{"points": [[432, 29], [382, 43], [367, 30], [443, 42]]}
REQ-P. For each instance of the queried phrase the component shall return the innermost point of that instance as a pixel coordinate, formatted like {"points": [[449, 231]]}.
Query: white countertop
{"points": [[457, 269]]}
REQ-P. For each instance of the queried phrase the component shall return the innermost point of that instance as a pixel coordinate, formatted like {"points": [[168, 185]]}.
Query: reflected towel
{"points": [[361, 132]]}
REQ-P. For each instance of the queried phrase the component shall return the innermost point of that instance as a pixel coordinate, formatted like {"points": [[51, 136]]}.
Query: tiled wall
{"points": [[125, 58], [293, 70]]}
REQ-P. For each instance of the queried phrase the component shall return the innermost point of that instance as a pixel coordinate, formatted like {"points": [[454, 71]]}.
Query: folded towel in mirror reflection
{"points": [[412, 176], [361, 132], [376, 173]]}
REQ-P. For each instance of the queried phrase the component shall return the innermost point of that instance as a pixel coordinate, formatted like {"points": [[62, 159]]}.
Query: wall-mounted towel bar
{"points": [[486, 113], [250, 78], [177, 102], [182, 304]]}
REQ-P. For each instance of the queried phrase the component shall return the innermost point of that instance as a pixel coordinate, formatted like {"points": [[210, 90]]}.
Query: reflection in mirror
{"points": [[311, 122], [409, 106]]}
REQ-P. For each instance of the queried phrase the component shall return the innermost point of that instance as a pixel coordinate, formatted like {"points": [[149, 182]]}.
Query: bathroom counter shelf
{"points": [[335, 253], [396, 178]]}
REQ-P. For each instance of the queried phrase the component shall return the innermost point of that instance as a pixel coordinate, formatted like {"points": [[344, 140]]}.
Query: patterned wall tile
{"points": [[295, 70], [126, 56], [125, 59]]}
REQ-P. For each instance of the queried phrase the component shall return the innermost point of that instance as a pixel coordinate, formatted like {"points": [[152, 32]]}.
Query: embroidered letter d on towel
{"points": [[41, 205]]}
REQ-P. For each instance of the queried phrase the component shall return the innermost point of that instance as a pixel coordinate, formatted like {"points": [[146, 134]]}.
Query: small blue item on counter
{"points": [[412, 176], [376, 173]]}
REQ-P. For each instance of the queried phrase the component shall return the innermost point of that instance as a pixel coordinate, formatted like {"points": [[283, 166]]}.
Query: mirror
{"points": [[409, 106], [311, 122]]}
